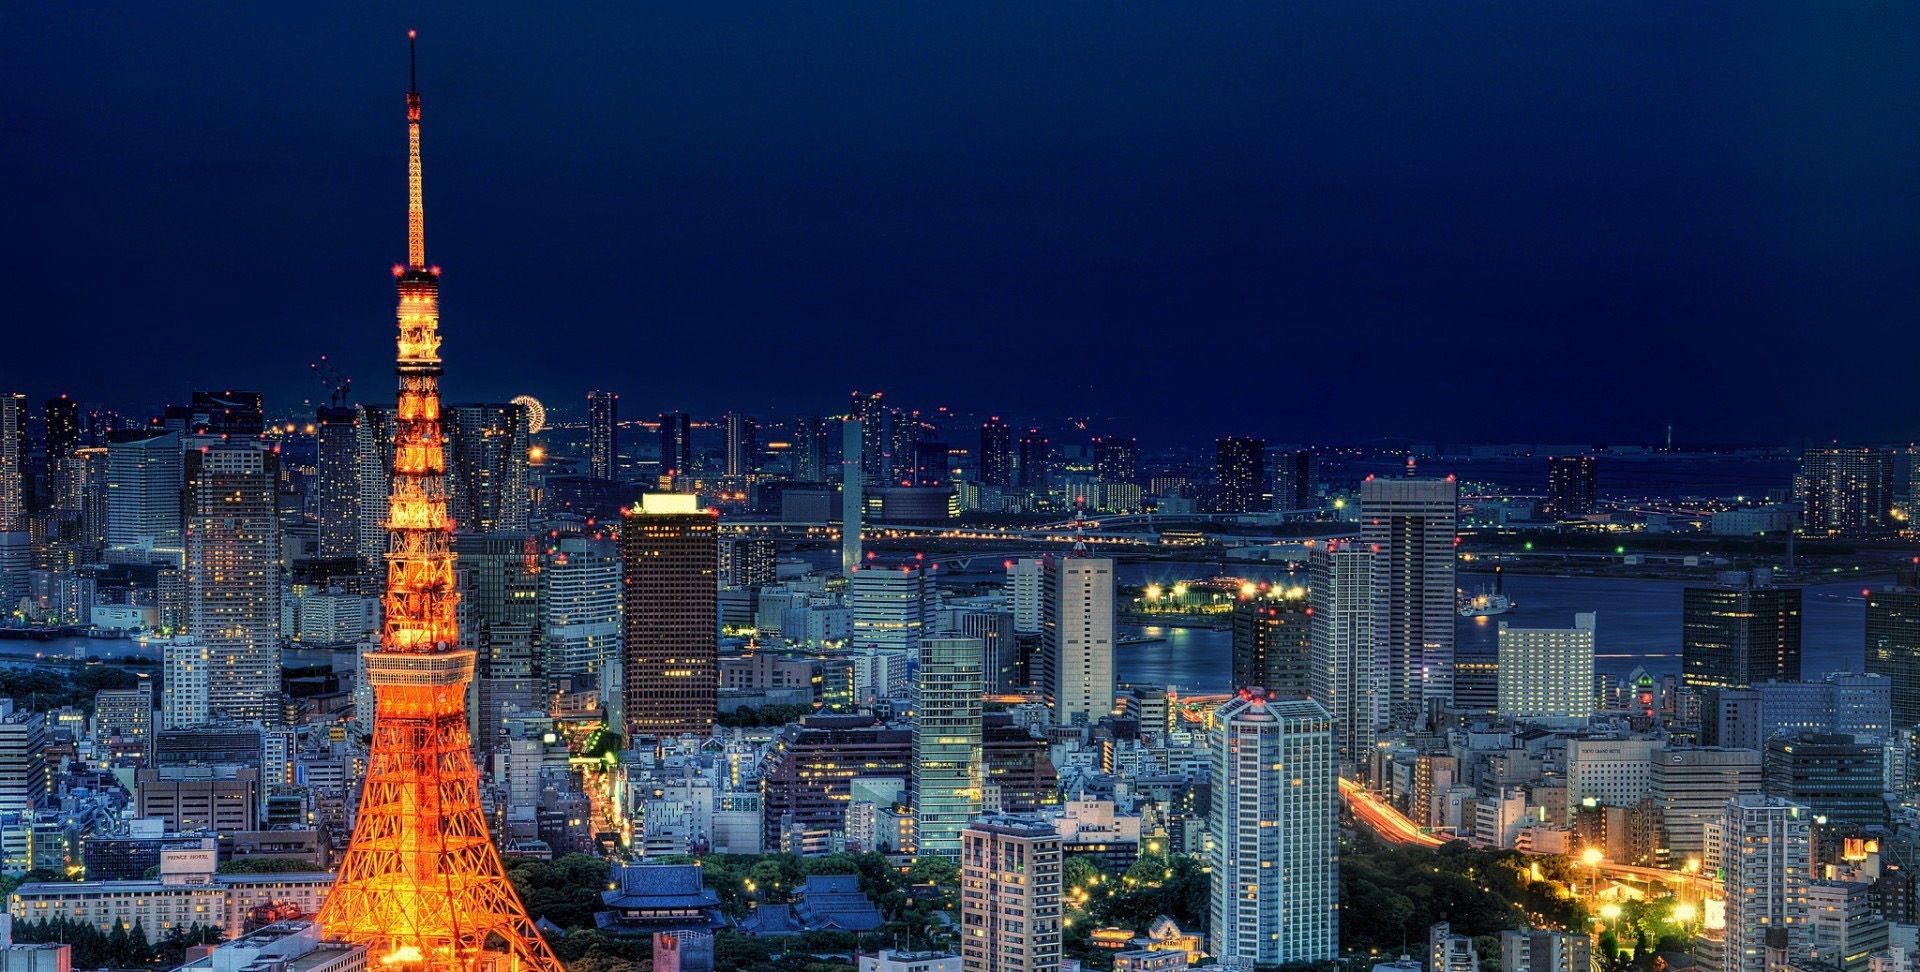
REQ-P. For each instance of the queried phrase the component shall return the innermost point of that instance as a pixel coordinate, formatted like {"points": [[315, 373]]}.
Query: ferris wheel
{"points": [[536, 413]]}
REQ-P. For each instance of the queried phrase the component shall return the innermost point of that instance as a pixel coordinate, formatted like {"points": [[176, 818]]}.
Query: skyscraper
{"points": [[891, 606], [876, 435], [62, 415], [1077, 632], [1893, 645], [421, 884], [671, 550], [742, 446], [186, 670], [1271, 640], [1570, 486], [15, 552], [143, 490], [810, 449], [1763, 849], [1547, 672], [947, 760], [1275, 825], [1239, 472], [996, 454], [1342, 645], [676, 444], [603, 435], [853, 509], [489, 485], [336, 489], [1115, 460], [1741, 631], [580, 607], [1296, 480], [233, 576], [1010, 871], [1409, 523], [1846, 492], [1036, 463], [373, 444]]}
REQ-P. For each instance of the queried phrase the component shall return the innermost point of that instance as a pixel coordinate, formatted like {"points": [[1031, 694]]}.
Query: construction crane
{"points": [[338, 386]]}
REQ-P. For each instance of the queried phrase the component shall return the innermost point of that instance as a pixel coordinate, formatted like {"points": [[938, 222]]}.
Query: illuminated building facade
{"points": [[1115, 460], [233, 577], [671, 554], [1271, 637], [1077, 638], [143, 490], [742, 446], [1239, 473], [422, 885], [489, 485], [1846, 492], [1010, 873], [1739, 633], [15, 552], [1275, 825], [676, 444], [373, 445], [947, 758], [996, 454], [1340, 672], [1296, 480], [1409, 524], [1570, 486], [1893, 645], [336, 487], [1035, 473], [1547, 672], [603, 435]]}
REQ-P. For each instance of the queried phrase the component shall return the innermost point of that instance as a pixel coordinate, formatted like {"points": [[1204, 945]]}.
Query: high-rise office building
{"points": [[1000, 647], [90, 477], [15, 550], [809, 453], [1846, 492], [62, 417], [336, 487], [1271, 642], [1845, 925], [892, 606], [373, 444], [1342, 645], [1296, 480], [1409, 523], [1547, 672], [1570, 486], [1691, 786], [875, 419], [1115, 460], [947, 760], [672, 625], [1740, 631], [1763, 849], [143, 490], [1035, 472], [233, 576], [676, 444], [1239, 474], [742, 445], [853, 507], [489, 485], [186, 672], [996, 454], [1839, 777], [1077, 638], [1893, 646], [23, 760], [1275, 826], [1026, 588], [580, 607], [1010, 871], [603, 435], [748, 560]]}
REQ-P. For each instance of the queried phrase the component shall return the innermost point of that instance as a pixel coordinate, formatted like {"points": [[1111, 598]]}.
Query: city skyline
{"points": [[1613, 199]]}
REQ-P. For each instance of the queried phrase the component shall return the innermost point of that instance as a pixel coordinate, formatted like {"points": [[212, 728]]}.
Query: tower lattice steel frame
{"points": [[422, 884]]}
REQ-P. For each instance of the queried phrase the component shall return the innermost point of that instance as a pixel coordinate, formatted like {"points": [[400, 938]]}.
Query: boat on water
{"points": [[1487, 604]]}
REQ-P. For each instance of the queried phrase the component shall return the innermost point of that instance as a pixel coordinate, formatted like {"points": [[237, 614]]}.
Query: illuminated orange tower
{"points": [[422, 885]]}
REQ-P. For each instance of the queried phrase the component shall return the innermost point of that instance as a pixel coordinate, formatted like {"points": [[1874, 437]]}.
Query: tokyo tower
{"points": [[421, 885]]}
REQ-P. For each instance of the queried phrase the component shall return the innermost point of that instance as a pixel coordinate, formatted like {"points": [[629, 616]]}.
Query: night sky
{"points": [[1319, 222]]}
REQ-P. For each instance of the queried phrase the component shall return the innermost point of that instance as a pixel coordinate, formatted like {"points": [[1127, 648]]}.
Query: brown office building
{"points": [[671, 575]]}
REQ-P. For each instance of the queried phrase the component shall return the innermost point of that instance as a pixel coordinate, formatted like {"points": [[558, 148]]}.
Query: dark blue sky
{"points": [[1319, 221]]}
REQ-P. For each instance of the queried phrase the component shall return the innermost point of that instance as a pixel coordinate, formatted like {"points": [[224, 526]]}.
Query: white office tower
{"points": [[185, 666], [892, 607], [1076, 621], [852, 502], [1026, 580], [233, 577], [947, 762], [23, 759], [1409, 524], [1691, 785], [1341, 646], [1275, 829], [143, 494], [1845, 926], [1010, 869], [1763, 847], [1547, 673], [580, 606]]}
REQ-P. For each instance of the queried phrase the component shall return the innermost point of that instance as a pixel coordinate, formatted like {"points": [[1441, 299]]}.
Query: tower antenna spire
{"points": [[416, 205], [413, 62]]}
